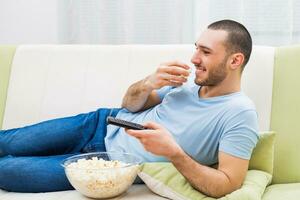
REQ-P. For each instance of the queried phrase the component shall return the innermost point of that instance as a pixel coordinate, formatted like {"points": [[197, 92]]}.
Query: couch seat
{"points": [[289, 191], [134, 192]]}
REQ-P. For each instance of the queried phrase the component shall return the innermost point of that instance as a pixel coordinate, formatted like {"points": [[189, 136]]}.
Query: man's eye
{"points": [[206, 52]]}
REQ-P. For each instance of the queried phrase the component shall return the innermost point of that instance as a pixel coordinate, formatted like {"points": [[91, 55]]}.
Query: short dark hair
{"points": [[238, 39]]}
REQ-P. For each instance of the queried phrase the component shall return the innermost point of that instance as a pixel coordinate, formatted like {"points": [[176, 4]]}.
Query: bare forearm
{"points": [[136, 96], [207, 180]]}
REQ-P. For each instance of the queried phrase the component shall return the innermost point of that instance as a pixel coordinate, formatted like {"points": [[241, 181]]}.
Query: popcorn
{"points": [[98, 178]]}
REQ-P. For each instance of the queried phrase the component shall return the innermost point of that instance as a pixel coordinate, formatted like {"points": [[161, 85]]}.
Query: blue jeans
{"points": [[30, 157]]}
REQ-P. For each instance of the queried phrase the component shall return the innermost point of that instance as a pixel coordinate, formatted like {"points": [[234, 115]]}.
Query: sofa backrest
{"points": [[285, 115], [7, 53], [50, 81]]}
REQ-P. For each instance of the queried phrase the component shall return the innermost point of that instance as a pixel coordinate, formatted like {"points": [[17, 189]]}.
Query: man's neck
{"points": [[224, 88]]}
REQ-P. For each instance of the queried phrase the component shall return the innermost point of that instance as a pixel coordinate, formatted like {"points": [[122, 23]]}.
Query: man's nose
{"points": [[196, 58]]}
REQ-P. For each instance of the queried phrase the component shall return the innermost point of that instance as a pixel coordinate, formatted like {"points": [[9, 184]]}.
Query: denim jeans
{"points": [[31, 157]]}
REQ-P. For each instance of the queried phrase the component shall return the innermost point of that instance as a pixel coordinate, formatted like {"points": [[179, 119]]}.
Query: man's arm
{"points": [[216, 183], [142, 95]]}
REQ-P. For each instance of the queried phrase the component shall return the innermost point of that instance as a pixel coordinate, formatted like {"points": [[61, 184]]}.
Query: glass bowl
{"points": [[101, 174]]}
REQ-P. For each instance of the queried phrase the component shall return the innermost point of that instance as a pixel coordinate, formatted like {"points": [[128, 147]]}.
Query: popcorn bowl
{"points": [[101, 174]]}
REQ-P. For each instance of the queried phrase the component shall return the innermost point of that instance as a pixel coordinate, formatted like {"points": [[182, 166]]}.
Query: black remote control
{"points": [[124, 124]]}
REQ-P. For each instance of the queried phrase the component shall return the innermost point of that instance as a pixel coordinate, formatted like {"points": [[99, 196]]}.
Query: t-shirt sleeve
{"points": [[163, 91], [240, 135]]}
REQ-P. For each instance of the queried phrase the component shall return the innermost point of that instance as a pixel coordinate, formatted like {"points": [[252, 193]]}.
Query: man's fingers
{"points": [[174, 84], [177, 63], [132, 132], [136, 133], [177, 71], [173, 78], [149, 132], [152, 125]]}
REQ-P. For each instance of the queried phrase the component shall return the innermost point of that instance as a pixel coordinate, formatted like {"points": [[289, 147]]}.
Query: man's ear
{"points": [[236, 60]]}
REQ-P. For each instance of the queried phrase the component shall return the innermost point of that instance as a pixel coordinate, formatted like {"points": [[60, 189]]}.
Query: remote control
{"points": [[124, 124]]}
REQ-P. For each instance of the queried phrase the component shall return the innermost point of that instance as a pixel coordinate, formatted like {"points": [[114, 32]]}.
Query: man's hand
{"points": [[172, 73], [156, 139]]}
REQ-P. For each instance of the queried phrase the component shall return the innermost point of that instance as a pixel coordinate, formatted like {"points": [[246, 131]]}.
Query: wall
{"points": [[28, 22]]}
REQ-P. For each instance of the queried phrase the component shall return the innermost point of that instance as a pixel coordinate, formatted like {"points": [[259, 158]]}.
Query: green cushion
{"points": [[283, 192], [164, 179], [6, 56], [285, 114], [263, 154]]}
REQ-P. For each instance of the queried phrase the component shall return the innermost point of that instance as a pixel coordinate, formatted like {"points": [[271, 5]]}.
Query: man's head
{"points": [[224, 48]]}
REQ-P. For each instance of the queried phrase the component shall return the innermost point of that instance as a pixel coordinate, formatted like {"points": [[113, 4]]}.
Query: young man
{"points": [[194, 124]]}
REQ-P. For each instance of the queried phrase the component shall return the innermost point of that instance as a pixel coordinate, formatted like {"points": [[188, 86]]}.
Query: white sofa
{"points": [[50, 81]]}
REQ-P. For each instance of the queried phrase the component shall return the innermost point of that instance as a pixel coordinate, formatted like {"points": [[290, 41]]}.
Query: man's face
{"points": [[210, 58]]}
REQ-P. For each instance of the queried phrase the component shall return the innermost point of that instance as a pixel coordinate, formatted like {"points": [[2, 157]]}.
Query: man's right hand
{"points": [[172, 73], [142, 95]]}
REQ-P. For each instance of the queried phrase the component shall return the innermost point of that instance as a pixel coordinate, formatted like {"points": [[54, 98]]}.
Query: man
{"points": [[193, 124]]}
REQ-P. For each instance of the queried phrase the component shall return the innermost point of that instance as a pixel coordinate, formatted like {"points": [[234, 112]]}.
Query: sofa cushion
{"points": [[263, 154], [6, 57], [285, 115], [282, 192], [165, 180]]}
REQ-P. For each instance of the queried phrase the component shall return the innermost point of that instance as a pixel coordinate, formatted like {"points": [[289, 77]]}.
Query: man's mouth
{"points": [[200, 68]]}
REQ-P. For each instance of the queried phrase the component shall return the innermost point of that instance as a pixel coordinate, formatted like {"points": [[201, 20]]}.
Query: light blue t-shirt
{"points": [[201, 126]]}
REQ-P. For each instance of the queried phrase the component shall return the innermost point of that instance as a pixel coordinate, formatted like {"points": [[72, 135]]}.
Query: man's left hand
{"points": [[156, 139]]}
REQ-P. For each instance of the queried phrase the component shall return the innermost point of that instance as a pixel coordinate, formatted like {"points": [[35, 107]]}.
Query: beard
{"points": [[215, 76]]}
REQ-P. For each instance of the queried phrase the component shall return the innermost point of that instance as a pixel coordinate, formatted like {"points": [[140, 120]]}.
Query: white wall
{"points": [[28, 21]]}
